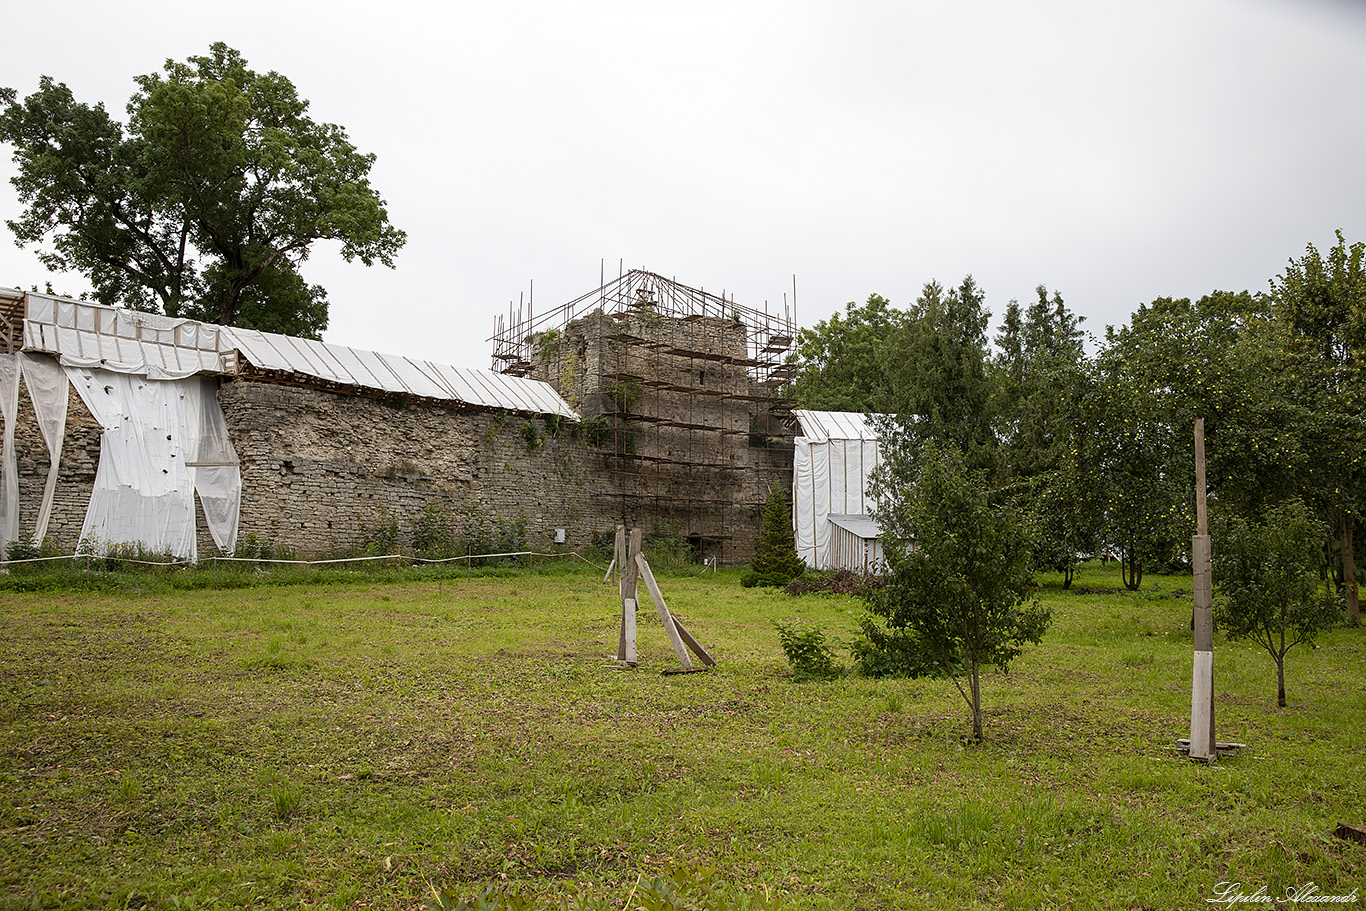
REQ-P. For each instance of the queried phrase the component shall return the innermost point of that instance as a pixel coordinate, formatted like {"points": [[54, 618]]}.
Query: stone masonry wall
{"points": [[322, 472], [690, 450]]}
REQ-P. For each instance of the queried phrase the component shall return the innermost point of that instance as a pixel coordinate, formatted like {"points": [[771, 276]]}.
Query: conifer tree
{"points": [[776, 561]]}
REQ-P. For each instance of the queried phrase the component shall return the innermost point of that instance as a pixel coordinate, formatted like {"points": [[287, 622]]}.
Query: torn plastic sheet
{"points": [[217, 475], [9, 469], [162, 439], [49, 391], [144, 493]]}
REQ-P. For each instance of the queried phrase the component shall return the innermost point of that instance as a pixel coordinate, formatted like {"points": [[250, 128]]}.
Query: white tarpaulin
{"points": [[49, 392], [834, 456], [9, 469], [217, 475], [143, 489], [161, 440]]}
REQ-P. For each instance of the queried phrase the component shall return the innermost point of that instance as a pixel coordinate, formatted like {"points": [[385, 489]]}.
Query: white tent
{"points": [[835, 454]]}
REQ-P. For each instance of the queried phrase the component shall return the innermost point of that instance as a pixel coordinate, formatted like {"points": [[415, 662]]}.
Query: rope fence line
{"points": [[466, 558]]}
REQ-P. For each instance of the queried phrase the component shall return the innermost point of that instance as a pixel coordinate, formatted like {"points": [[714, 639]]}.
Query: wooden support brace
{"points": [[692, 643], [664, 616], [610, 566]]}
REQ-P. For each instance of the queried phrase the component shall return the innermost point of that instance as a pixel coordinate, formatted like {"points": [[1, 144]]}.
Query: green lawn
{"points": [[349, 745]]}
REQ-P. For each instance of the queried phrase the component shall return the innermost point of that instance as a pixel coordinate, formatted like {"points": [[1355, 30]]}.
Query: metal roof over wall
{"points": [[87, 334]]}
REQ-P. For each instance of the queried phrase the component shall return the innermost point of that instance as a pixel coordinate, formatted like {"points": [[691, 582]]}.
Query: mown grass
{"points": [[350, 744]]}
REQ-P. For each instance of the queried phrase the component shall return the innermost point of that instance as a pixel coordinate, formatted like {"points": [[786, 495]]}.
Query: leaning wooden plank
{"points": [[665, 617], [693, 643], [610, 566]]}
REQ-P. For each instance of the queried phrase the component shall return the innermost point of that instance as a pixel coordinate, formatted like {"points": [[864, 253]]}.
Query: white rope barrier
{"points": [[466, 558]]}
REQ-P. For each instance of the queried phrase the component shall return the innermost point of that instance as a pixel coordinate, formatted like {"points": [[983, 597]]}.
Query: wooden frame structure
{"points": [[634, 568]]}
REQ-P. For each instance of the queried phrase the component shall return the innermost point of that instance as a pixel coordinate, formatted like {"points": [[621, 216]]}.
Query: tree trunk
{"points": [[1280, 680], [1131, 570], [976, 702], [1349, 573], [1067, 577]]}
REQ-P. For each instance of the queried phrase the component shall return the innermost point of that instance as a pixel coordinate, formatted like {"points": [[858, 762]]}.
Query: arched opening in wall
{"points": [[704, 548]]}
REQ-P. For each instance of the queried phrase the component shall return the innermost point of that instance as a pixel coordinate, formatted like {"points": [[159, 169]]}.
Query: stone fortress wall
{"points": [[680, 437]]}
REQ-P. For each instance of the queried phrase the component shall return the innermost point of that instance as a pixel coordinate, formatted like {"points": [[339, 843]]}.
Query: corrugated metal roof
{"points": [[822, 426], [864, 526], [90, 334]]}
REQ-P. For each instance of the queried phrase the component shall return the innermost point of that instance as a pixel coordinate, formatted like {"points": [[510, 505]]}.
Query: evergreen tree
{"points": [[776, 561]]}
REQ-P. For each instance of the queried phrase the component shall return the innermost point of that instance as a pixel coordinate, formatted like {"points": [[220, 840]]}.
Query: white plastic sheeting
{"points": [[834, 456], [161, 440], [49, 392], [217, 475], [9, 470]]}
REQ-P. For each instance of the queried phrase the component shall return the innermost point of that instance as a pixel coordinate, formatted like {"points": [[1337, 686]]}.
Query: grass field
{"points": [[352, 744]]}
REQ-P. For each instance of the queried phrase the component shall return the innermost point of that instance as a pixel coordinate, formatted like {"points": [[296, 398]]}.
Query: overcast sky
{"points": [[1114, 151]]}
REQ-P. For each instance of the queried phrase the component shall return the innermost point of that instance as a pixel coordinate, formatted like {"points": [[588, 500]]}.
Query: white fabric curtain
{"points": [[49, 391], [144, 490], [217, 475], [9, 469]]}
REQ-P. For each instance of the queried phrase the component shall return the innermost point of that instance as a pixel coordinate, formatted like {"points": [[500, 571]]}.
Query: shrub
{"points": [[807, 652], [433, 538]]}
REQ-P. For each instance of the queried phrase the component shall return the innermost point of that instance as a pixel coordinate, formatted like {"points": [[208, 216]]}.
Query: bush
{"points": [[840, 582], [433, 538], [883, 652], [807, 652]]}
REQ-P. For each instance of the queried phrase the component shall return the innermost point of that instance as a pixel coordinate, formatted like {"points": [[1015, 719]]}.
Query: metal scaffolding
{"points": [[684, 395]]}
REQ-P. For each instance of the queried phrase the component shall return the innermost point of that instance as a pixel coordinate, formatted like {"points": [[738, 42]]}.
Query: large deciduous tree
{"points": [[842, 362], [206, 204], [1320, 305]]}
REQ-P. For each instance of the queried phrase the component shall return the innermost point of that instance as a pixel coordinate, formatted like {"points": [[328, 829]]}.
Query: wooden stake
{"points": [[626, 641], [693, 643]]}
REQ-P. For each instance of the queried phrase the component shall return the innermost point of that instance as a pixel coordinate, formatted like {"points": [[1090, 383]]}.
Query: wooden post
{"points": [[1202, 741], [626, 642]]}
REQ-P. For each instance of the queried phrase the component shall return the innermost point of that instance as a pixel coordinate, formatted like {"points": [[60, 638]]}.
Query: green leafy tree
{"points": [[1043, 378], [843, 361], [1320, 306], [776, 561], [209, 202], [1269, 589], [959, 579]]}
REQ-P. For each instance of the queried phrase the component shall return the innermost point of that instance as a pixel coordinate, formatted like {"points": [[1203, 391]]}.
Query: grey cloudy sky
{"points": [[1115, 151]]}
